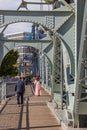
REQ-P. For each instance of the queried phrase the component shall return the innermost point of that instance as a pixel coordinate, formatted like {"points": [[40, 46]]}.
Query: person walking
{"points": [[20, 88], [37, 87]]}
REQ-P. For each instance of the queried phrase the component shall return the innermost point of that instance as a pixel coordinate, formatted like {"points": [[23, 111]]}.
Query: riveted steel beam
{"points": [[49, 19]]}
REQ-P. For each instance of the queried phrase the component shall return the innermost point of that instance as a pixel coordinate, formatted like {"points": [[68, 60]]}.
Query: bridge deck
{"points": [[33, 115]]}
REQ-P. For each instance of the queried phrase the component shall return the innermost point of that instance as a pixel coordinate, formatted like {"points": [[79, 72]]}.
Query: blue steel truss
{"points": [[63, 59]]}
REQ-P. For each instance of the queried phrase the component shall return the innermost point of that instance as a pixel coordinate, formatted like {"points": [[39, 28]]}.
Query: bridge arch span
{"points": [[70, 54], [21, 45], [23, 21]]}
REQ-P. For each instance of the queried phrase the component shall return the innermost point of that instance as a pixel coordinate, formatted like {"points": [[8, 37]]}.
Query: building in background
{"points": [[28, 56], [36, 33], [20, 36], [28, 61]]}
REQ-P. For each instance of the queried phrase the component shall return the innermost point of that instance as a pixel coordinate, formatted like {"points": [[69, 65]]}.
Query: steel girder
{"points": [[38, 44], [80, 103], [49, 19], [72, 35], [46, 72]]}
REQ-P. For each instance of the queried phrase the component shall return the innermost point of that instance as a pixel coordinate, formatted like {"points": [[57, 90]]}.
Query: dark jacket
{"points": [[20, 88]]}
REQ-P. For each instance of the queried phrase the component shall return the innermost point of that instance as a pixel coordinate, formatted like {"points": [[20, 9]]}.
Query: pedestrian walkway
{"points": [[33, 115]]}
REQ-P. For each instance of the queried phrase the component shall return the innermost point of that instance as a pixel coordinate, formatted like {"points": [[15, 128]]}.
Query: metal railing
{"points": [[2, 91], [10, 89], [7, 89]]}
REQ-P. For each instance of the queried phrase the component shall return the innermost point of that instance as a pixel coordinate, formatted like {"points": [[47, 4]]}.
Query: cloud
{"points": [[18, 27], [9, 4]]}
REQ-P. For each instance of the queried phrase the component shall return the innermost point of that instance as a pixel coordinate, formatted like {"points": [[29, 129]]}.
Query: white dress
{"points": [[38, 88]]}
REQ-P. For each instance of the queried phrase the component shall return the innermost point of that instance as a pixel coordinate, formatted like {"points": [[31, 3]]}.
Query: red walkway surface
{"points": [[33, 115]]}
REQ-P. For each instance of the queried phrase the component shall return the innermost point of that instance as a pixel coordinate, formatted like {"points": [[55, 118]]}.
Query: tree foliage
{"points": [[7, 67]]}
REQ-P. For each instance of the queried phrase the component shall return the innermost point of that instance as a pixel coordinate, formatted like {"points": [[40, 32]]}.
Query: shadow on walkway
{"points": [[32, 115]]}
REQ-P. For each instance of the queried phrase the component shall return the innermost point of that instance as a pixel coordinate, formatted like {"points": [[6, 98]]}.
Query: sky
{"points": [[13, 5]]}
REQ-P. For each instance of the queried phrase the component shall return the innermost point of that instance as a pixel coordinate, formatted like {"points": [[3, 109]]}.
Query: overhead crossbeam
{"points": [[43, 3], [48, 19], [26, 41]]}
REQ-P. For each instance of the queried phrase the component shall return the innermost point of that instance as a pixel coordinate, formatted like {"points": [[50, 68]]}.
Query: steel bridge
{"points": [[63, 64]]}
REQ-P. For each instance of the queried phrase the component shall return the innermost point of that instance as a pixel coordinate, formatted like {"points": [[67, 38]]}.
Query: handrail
{"points": [[3, 97]]}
